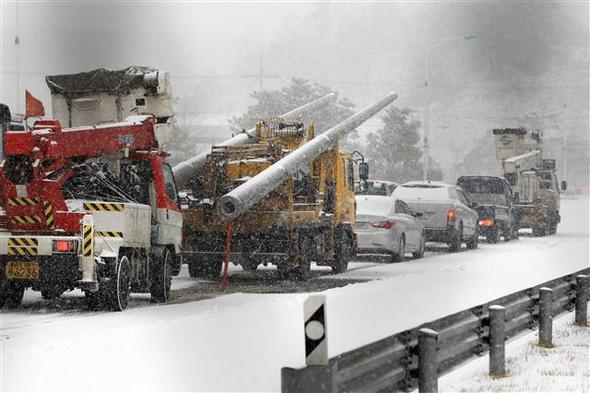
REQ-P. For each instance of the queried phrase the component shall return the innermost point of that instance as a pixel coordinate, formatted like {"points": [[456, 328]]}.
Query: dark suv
{"points": [[495, 206]]}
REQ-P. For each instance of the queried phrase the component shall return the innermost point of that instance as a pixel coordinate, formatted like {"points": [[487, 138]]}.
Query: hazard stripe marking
{"points": [[87, 240], [108, 234], [22, 241], [48, 211], [23, 201], [26, 219], [104, 207], [22, 251]]}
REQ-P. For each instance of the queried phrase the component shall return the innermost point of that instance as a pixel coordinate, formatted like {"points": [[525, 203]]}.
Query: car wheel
{"points": [[420, 253], [399, 255], [473, 242], [455, 243]]}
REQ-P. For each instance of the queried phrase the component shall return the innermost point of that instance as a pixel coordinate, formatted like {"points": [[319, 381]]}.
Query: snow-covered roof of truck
{"points": [[99, 81]]}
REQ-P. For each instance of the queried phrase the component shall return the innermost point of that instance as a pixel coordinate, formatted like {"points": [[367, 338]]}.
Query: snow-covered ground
{"points": [[530, 368], [240, 341]]}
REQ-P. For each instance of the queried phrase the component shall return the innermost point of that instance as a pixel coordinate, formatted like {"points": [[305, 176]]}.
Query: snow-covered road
{"points": [[239, 341]]}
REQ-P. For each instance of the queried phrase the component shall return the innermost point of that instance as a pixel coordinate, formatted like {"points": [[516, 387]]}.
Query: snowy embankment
{"points": [[239, 342], [530, 368]]}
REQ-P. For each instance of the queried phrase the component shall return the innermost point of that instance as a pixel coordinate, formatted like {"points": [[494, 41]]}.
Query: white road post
{"points": [[316, 341]]}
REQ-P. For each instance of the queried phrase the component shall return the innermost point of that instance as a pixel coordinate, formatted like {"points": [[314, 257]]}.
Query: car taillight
{"points": [[65, 246], [451, 214], [486, 222], [388, 224]]}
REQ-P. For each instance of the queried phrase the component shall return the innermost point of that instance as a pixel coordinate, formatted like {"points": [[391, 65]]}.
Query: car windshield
{"points": [[373, 205], [423, 191], [375, 188], [484, 191]]}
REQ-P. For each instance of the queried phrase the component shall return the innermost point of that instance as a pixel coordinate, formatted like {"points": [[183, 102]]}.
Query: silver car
{"points": [[447, 213], [386, 225]]}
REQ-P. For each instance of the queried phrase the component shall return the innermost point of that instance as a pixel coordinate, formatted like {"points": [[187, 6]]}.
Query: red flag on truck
{"points": [[34, 106]]}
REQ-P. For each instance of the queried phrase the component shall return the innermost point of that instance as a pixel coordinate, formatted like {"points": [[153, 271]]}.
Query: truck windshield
{"points": [[485, 190]]}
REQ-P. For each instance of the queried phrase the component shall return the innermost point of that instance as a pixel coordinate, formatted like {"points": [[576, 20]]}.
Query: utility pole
{"points": [[17, 57]]}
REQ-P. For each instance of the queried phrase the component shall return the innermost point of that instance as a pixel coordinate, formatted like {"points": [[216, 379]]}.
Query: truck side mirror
{"points": [[563, 185], [364, 170]]}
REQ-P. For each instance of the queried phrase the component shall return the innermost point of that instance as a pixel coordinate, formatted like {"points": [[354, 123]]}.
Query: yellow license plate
{"points": [[28, 270]]}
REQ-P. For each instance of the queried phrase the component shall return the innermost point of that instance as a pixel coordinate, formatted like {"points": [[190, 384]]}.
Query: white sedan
{"points": [[386, 225]]}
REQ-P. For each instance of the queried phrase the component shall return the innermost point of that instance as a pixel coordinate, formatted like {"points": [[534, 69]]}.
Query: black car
{"points": [[495, 206]]}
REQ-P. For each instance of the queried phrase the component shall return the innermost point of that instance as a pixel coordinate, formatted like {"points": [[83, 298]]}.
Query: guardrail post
{"points": [[497, 341], [545, 317], [582, 300], [427, 361], [319, 375]]}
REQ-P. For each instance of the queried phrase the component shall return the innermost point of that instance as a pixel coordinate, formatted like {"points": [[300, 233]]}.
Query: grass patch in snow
{"points": [[532, 368]]}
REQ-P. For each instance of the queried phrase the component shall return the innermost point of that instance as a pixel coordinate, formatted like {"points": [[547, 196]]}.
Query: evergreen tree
{"points": [[393, 151], [272, 103]]}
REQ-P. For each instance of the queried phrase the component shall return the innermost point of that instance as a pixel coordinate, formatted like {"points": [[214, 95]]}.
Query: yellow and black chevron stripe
{"points": [[26, 219], [48, 212], [108, 234], [22, 246], [87, 241], [23, 201], [104, 207]]}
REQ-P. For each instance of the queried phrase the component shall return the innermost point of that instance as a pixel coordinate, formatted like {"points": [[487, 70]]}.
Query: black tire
{"points": [[161, 277], [250, 264], [399, 256], [420, 253], [94, 300], [473, 242], [539, 231], [118, 288], [52, 293], [493, 236], [303, 271], [207, 267], [11, 293], [455, 243], [343, 252]]}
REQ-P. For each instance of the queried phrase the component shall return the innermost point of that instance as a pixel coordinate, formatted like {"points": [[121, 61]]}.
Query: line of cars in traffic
{"points": [[398, 219]]}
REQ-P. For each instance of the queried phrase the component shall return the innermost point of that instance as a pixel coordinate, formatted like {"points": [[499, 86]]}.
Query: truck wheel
{"points": [[455, 243], [11, 293], [399, 256], [343, 252], [94, 300], [473, 242], [207, 267], [250, 264], [161, 277], [117, 290], [52, 293], [420, 253], [539, 231]]}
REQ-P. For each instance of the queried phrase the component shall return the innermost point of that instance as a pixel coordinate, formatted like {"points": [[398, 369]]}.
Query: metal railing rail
{"points": [[391, 364]]}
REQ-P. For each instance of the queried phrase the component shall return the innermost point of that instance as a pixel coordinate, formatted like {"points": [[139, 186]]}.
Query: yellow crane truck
{"points": [[287, 195]]}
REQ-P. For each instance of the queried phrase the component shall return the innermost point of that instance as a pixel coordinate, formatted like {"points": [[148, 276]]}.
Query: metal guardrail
{"points": [[391, 364]]}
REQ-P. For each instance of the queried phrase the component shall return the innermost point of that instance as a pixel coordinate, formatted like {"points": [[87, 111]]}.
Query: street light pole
{"points": [[425, 143], [426, 120], [17, 56]]}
